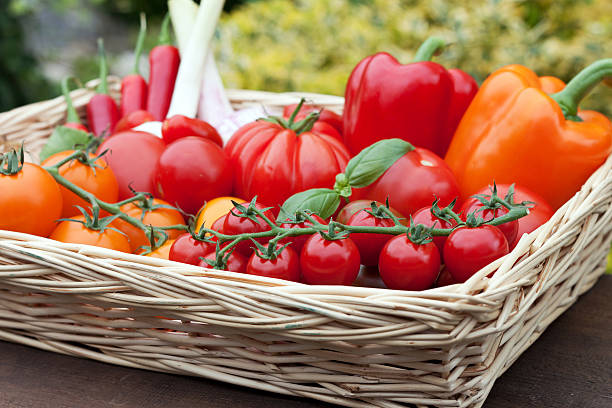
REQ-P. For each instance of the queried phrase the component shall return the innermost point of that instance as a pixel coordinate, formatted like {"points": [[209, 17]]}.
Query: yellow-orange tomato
{"points": [[159, 217], [215, 209], [30, 201], [163, 252], [100, 181], [77, 233]]}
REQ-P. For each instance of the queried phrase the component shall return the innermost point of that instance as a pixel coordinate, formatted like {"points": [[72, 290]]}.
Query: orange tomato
{"points": [[100, 181], [159, 217], [30, 201], [163, 252], [215, 209], [76, 233]]}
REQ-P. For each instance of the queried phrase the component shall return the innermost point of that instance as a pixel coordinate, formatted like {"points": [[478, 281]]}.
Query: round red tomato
{"points": [[285, 266], [234, 225], [414, 181], [298, 242], [510, 229], [326, 262], [369, 244], [325, 116], [179, 126], [133, 157], [468, 250], [235, 262], [539, 213], [345, 214], [133, 119], [405, 265], [425, 217], [191, 171], [188, 250], [274, 163]]}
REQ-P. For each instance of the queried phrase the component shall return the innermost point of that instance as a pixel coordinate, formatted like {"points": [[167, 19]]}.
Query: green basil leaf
{"points": [[64, 138], [321, 201], [374, 160]]}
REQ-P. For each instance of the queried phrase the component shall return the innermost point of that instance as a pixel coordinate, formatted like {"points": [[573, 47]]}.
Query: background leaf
{"points": [[64, 138], [322, 201]]}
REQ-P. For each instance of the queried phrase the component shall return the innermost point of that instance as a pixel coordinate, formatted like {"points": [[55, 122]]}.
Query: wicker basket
{"points": [[351, 346]]}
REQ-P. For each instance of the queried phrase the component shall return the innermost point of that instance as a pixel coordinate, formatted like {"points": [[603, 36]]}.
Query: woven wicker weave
{"points": [[351, 346]]}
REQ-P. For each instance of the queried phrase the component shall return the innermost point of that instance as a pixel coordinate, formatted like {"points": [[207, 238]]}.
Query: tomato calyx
{"points": [[93, 221], [270, 251], [251, 212], [11, 163], [419, 234], [299, 127], [221, 258], [446, 213]]}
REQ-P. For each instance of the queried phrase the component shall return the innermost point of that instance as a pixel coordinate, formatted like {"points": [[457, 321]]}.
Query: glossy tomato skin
{"points": [[325, 116], [539, 213], [162, 252], [133, 158], [298, 242], [30, 201], [188, 250], [325, 262], [413, 182], [179, 126], [159, 217], [404, 265], [76, 233], [425, 217], [133, 119], [510, 229], [274, 163], [215, 209], [191, 171], [100, 181], [346, 212], [286, 266], [467, 250], [234, 225], [369, 245], [235, 262]]}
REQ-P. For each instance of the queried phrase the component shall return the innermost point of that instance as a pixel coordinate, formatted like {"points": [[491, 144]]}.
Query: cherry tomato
{"points": [[351, 208], [234, 225], [188, 250], [425, 217], [218, 224], [133, 119], [326, 262], [179, 126], [298, 242], [191, 171], [77, 233], [413, 182], [30, 201], [162, 252], [285, 266], [99, 180], [133, 157], [214, 209], [326, 116], [158, 217], [510, 229], [235, 262], [405, 265], [369, 244], [538, 213], [468, 250]]}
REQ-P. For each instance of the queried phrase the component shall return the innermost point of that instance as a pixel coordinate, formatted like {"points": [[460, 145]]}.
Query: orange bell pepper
{"points": [[513, 132]]}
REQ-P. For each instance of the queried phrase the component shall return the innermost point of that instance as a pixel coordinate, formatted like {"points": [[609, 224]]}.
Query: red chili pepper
{"points": [[102, 111], [72, 118], [134, 86], [131, 120], [179, 126], [420, 102], [164, 62]]}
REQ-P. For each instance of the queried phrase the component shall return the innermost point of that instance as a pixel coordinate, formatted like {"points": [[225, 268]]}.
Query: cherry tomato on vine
{"points": [[298, 242], [351, 208], [467, 250], [215, 209], [425, 217], [285, 266], [75, 232], [510, 229], [162, 252], [188, 250], [99, 180], [191, 171], [133, 157], [234, 225], [30, 200], [329, 262], [369, 244], [404, 265], [235, 262]]}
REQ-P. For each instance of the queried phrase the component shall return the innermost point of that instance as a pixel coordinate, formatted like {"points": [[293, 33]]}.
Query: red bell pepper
{"points": [[164, 62], [179, 126], [72, 118], [102, 111], [134, 86], [420, 102]]}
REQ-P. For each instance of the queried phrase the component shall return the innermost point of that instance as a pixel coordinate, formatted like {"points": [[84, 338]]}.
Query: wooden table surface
{"points": [[569, 366]]}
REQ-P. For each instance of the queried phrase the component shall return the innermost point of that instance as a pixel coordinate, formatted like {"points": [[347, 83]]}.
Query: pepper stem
{"points": [[432, 46], [579, 87], [103, 86], [71, 114], [164, 34], [142, 33]]}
